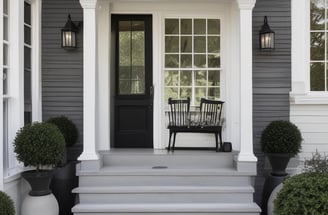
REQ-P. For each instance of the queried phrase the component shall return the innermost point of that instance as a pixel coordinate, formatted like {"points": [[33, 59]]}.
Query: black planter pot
{"points": [[39, 181], [62, 184], [279, 162]]}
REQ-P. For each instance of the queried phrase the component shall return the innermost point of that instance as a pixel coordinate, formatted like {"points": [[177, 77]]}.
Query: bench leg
{"points": [[216, 142], [220, 136], [173, 145], [169, 145]]}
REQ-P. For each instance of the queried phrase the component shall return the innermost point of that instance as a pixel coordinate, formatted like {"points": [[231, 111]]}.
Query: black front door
{"points": [[132, 35]]}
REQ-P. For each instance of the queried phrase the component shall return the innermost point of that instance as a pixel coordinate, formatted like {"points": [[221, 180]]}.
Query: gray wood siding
{"points": [[62, 70], [271, 75]]}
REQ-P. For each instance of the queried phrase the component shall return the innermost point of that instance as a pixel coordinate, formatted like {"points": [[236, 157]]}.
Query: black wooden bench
{"points": [[207, 120]]}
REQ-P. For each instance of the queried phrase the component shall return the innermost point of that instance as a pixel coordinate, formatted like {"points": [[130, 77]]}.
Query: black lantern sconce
{"points": [[69, 32], [266, 36]]}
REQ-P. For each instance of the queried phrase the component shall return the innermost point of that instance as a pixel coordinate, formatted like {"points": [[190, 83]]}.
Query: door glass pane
{"points": [[131, 57]]}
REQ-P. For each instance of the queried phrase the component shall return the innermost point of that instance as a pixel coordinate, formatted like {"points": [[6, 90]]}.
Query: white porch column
{"points": [[246, 158], [89, 81]]}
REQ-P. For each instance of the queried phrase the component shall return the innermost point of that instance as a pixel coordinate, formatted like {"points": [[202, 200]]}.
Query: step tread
{"points": [[147, 170], [163, 189], [162, 207]]}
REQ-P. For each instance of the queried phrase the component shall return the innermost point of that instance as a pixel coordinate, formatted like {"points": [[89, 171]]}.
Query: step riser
{"points": [[170, 161], [163, 180], [167, 198], [167, 213]]}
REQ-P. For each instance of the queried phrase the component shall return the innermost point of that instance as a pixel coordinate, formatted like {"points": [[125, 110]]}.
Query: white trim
{"points": [[1, 100], [103, 86], [36, 60], [16, 77]]}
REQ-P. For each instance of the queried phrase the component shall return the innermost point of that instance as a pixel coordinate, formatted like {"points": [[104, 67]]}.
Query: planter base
{"points": [[40, 205]]}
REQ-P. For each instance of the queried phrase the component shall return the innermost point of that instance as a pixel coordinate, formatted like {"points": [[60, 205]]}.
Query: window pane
{"points": [[171, 44], [201, 78], [317, 46], [200, 60], [171, 78], [214, 78], [317, 78], [5, 81], [186, 44], [200, 26], [5, 7], [172, 26], [5, 54], [5, 28], [27, 13], [200, 92], [213, 61], [27, 58], [200, 44], [185, 92], [185, 78], [171, 92], [213, 44], [186, 60], [317, 15], [186, 27], [27, 35], [213, 26], [172, 61], [213, 93]]}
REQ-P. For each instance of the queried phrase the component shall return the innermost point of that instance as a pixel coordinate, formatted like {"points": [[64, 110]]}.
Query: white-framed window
{"points": [[192, 60], [318, 45]]}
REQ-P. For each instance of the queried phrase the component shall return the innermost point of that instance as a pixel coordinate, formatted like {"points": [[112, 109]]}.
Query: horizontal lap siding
{"points": [[312, 120], [271, 74], [62, 70]]}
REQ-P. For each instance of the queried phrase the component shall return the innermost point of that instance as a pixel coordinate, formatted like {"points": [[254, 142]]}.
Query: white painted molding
{"points": [[88, 4], [300, 16], [16, 78], [103, 86], [1, 101], [309, 98], [36, 61], [246, 4]]}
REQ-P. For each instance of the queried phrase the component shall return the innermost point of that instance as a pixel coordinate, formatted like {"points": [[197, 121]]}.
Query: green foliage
{"points": [[306, 193], [67, 128], [6, 204], [317, 163], [39, 144], [281, 137]]}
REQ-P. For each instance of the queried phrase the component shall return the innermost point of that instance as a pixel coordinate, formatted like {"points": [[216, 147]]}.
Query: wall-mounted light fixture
{"points": [[69, 32], [266, 36]]}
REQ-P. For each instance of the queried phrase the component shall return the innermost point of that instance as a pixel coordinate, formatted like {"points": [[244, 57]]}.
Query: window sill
{"points": [[312, 98]]}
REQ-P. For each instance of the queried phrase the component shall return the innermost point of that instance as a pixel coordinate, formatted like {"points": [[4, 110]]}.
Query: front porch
{"points": [[139, 181]]}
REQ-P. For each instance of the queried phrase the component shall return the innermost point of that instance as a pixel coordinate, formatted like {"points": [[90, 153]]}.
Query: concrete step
{"points": [[144, 176], [178, 159], [165, 194], [167, 209]]}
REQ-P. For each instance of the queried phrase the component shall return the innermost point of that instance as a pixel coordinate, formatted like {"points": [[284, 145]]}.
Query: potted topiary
{"points": [[65, 179], [6, 204], [280, 141], [39, 145]]}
